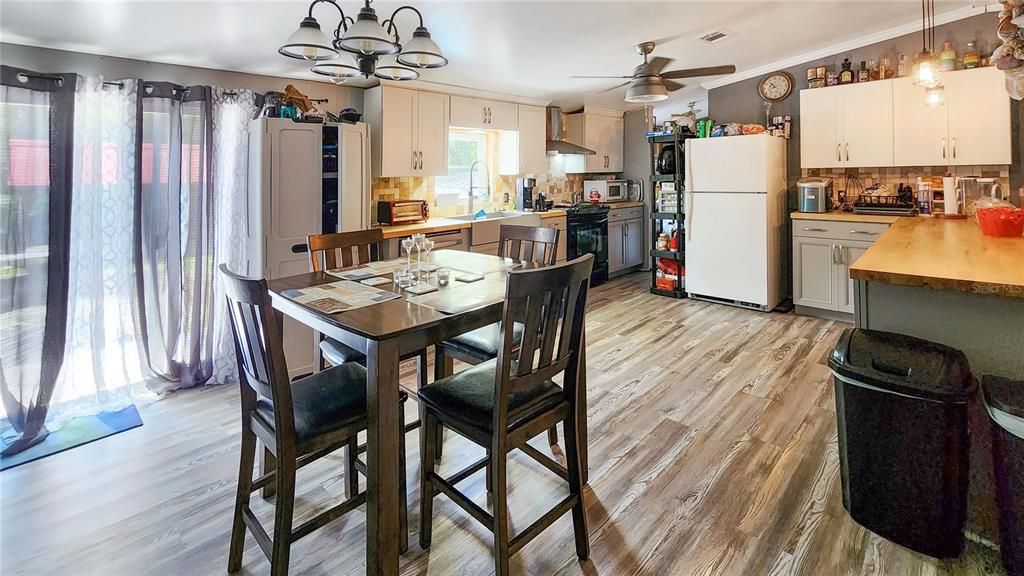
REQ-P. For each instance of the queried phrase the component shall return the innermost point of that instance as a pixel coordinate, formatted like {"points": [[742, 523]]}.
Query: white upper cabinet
{"points": [[979, 117], [972, 128], [409, 131], [533, 156], [483, 114], [920, 131], [601, 131], [847, 126]]}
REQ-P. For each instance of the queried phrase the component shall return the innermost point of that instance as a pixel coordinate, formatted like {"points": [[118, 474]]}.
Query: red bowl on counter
{"points": [[1001, 221]]}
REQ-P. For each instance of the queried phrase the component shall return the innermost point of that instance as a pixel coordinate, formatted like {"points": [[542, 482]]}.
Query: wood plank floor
{"points": [[712, 443]]}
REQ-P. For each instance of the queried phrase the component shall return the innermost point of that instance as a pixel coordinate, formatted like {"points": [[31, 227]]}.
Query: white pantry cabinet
{"points": [[601, 131], [409, 131], [847, 126], [469, 112]]}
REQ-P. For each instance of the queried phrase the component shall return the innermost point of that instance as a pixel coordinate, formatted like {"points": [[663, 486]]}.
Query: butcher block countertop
{"points": [[428, 227], [839, 216], [553, 213], [621, 205], [946, 255]]}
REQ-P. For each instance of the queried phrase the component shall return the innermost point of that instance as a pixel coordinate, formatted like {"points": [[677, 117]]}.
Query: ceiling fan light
{"points": [[421, 51], [646, 90], [308, 42], [366, 36]]}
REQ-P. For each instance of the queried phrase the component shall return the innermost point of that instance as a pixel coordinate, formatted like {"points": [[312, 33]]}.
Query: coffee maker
{"points": [[524, 193]]}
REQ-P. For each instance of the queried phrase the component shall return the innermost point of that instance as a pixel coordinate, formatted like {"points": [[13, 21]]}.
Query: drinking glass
{"points": [[407, 244], [427, 246], [404, 279], [443, 277]]}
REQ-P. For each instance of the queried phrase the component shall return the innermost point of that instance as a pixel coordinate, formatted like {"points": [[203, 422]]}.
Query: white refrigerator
{"points": [[287, 196], [735, 205]]}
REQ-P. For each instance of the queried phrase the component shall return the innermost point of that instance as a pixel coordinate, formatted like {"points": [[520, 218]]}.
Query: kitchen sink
{"points": [[486, 230]]}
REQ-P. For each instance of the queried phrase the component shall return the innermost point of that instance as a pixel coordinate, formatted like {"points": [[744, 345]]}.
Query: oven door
{"points": [[590, 236]]}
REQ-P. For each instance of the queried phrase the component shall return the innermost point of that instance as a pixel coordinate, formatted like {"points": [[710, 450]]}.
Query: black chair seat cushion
{"points": [[468, 397], [337, 353], [326, 401], [483, 342]]}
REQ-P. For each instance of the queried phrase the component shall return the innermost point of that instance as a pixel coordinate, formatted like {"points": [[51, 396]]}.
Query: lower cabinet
{"points": [[822, 256], [625, 244], [560, 223]]}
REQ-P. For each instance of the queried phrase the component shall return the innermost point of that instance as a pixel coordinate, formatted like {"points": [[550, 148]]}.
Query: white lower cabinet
{"points": [[823, 252], [561, 224]]}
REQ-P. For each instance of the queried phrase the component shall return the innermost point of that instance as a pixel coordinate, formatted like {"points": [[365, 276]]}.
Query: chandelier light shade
{"points": [[926, 67], [308, 43], [935, 96], [421, 51], [646, 89], [367, 39]]}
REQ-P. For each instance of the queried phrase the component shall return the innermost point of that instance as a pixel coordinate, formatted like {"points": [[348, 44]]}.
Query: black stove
{"points": [[588, 234]]}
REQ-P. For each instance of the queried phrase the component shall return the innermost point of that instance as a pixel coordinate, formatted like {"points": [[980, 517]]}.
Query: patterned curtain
{"points": [[36, 118]]}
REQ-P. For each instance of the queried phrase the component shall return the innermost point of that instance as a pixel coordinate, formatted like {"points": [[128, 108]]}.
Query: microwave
{"points": [[605, 191], [402, 211]]}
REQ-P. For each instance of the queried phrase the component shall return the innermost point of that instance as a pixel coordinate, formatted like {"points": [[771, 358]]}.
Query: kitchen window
{"points": [[465, 147]]}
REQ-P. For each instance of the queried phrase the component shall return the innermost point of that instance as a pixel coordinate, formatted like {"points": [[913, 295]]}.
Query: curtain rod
{"points": [[59, 79]]}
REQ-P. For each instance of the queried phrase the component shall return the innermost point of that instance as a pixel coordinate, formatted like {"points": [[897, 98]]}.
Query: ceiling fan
{"points": [[649, 84]]}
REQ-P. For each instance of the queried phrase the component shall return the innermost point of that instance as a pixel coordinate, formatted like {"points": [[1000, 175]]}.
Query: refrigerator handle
{"points": [[687, 178]]}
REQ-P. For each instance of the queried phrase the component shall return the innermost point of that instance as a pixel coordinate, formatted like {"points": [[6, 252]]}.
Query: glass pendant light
{"points": [[337, 72], [308, 43], [646, 89], [396, 72], [366, 36], [926, 67], [421, 51], [935, 96]]}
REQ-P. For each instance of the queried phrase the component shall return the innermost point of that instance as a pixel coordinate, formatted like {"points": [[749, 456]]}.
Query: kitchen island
{"points": [[942, 280]]}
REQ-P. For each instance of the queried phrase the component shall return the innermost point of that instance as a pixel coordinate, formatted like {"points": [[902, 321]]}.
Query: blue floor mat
{"points": [[76, 432]]}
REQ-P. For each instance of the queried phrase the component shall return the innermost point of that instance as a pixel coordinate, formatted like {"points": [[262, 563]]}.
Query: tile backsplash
{"points": [[556, 186], [893, 177]]}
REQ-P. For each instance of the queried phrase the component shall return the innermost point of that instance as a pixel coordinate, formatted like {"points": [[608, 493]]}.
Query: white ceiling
{"points": [[521, 48]]}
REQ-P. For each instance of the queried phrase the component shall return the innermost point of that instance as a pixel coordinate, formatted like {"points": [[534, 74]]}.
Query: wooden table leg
{"points": [[581, 414], [382, 502]]}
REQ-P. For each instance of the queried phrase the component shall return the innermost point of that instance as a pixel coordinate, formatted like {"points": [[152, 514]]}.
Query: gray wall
{"points": [[47, 60], [740, 102]]}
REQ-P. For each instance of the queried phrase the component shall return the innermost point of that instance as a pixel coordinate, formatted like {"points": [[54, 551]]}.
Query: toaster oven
{"points": [[402, 211]]}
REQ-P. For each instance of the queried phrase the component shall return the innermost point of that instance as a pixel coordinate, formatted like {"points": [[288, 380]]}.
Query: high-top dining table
{"points": [[385, 331]]}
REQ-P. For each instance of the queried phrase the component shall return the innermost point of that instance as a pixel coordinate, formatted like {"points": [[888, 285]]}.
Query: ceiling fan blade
{"points": [[672, 85], [658, 63], [698, 72], [616, 87], [602, 77]]}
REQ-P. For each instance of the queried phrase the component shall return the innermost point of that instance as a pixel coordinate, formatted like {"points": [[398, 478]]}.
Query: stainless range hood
{"points": [[556, 143]]}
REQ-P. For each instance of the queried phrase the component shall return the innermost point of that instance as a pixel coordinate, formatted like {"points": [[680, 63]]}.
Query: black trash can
{"points": [[901, 407], [1004, 400]]}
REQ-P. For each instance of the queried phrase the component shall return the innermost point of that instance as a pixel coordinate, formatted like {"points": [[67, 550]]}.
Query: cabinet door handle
{"points": [[815, 230], [954, 148], [943, 148], [865, 232], [420, 155], [413, 159], [839, 254], [839, 152], [847, 151], [835, 259]]}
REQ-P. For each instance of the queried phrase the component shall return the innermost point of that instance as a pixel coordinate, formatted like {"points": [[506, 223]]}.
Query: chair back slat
{"points": [[259, 349], [550, 304], [359, 247], [529, 243]]}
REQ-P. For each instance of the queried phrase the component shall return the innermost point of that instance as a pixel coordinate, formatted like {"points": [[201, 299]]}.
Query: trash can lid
{"points": [[1004, 395], [903, 364]]}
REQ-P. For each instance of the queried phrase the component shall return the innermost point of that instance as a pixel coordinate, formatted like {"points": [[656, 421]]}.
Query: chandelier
{"points": [[359, 45]]}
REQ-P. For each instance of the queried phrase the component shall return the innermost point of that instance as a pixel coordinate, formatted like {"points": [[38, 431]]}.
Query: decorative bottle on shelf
{"points": [[902, 69], [947, 58], [972, 59], [863, 75], [846, 75]]}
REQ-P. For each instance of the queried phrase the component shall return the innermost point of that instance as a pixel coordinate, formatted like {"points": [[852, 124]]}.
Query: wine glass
{"points": [[427, 246], [407, 244]]}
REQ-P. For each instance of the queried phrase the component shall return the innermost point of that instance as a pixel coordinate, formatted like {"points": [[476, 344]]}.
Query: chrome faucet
{"points": [[487, 187]]}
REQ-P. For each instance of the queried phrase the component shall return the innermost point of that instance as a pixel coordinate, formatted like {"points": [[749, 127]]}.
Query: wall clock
{"points": [[776, 87]]}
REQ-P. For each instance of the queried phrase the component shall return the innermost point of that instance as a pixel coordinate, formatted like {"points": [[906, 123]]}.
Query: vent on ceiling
{"points": [[715, 37]]}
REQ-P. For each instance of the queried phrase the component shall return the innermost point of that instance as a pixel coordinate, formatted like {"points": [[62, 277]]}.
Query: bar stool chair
{"points": [[502, 403], [528, 243], [359, 247], [298, 423]]}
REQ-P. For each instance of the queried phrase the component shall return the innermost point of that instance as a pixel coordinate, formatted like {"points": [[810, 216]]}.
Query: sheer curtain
{"points": [[36, 113], [232, 111], [102, 355]]}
